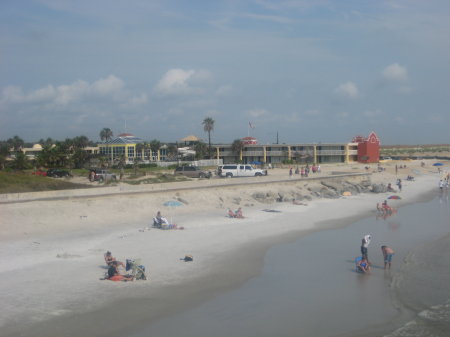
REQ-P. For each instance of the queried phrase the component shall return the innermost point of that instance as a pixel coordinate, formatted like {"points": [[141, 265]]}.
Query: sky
{"points": [[305, 71]]}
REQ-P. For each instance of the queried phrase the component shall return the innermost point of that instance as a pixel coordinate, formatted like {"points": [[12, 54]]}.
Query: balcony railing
{"points": [[330, 152], [276, 153], [253, 153]]}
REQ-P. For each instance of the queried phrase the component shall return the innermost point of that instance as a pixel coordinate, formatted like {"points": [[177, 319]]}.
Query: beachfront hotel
{"points": [[361, 149], [129, 147]]}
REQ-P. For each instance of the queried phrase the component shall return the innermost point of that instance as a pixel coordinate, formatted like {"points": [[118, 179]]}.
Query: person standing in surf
{"points": [[387, 254], [365, 245]]}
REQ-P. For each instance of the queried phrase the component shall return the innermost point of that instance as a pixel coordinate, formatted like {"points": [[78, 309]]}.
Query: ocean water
{"points": [[309, 287]]}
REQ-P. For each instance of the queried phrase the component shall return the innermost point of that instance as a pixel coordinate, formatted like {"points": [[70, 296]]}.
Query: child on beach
{"points": [[364, 247], [363, 266], [387, 254]]}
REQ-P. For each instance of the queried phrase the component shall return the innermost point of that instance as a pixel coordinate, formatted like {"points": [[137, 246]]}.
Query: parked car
{"points": [[193, 172], [58, 173], [239, 170], [101, 175], [40, 173]]}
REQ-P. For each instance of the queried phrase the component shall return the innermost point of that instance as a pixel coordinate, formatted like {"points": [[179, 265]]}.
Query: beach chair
{"points": [[136, 268]]}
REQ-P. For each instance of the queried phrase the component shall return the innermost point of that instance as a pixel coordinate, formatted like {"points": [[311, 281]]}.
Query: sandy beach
{"points": [[52, 244]]}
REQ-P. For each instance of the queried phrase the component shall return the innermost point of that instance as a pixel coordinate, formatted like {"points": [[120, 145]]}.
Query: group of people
{"points": [[113, 273], [236, 214], [305, 170], [385, 208], [363, 263], [444, 183]]}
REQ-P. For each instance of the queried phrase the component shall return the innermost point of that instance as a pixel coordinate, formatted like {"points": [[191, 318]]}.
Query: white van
{"points": [[239, 170]]}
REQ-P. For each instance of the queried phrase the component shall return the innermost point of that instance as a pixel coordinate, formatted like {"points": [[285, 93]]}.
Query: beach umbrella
{"points": [[438, 164], [394, 197], [173, 203]]}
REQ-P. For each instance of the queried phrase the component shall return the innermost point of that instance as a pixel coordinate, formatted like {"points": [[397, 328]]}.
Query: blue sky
{"points": [[309, 70]]}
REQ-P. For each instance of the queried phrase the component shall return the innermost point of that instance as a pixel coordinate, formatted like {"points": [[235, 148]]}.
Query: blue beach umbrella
{"points": [[438, 164], [173, 203]]}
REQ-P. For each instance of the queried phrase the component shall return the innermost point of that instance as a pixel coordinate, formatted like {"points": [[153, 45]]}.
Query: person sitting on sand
{"points": [[363, 266], [159, 220], [114, 274], [387, 254], [389, 188], [109, 259], [231, 213], [238, 213]]}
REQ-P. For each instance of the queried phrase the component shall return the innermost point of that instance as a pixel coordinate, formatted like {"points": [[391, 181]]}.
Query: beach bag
{"points": [[140, 273]]}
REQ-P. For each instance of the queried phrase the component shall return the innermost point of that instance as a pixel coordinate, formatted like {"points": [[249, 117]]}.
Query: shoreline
{"points": [[226, 265]]}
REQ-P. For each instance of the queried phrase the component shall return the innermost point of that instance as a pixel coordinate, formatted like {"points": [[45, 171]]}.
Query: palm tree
{"points": [[172, 151], [106, 134], [155, 145], [237, 146], [140, 147], [16, 142], [200, 150], [208, 126]]}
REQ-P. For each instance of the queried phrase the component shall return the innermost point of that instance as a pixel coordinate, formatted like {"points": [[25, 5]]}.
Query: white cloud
{"points": [[105, 86], [182, 82], [347, 90], [12, 94], [395, 72], [111, 88]]}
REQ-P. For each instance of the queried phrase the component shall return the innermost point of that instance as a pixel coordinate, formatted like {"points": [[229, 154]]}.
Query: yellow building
{"points": [[126, 146]]}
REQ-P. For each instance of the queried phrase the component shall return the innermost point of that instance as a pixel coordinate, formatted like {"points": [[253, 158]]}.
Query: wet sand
{"points": [[308, 287]]}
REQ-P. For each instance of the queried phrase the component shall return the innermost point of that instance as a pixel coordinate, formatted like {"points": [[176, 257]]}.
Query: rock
{"points": [[184, 201], [379, 188]]}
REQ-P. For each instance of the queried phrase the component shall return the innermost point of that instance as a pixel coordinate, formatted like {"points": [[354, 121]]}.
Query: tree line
{"points": [[71, 153]]}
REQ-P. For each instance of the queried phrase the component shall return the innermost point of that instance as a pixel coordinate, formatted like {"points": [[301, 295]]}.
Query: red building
{"points": [[249, 141], [368, 148]]}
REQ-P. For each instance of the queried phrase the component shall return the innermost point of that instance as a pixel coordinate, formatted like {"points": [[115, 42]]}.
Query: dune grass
{"points": [[19, 182]]}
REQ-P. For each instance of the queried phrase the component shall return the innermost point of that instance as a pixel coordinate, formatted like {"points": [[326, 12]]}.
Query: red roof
{"points": [[125, 135]]}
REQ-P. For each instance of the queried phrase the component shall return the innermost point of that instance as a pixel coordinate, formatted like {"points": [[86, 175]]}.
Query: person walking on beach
{"points": [[364, 246], [387, 254], [399, 184]]}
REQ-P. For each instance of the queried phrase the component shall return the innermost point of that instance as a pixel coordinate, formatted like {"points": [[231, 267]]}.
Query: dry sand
{"points": [[52, 249]]}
